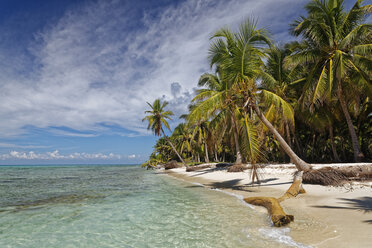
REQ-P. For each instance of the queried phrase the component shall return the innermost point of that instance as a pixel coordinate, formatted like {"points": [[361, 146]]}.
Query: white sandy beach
{"points": [[324, 217]]}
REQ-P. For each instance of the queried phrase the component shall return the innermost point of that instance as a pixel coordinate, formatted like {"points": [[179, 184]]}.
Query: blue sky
{"points": [[75, 75]]}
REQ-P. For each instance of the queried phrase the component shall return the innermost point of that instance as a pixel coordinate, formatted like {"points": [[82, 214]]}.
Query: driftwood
{"points": [[197, 167], [272, 204]]}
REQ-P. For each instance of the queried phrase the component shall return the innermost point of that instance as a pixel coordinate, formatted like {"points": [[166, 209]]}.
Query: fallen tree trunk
{"points": [[272, 204], [278, 216], [323, 176]]}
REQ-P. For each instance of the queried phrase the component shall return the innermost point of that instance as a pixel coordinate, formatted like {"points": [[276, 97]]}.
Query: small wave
{"points": [[281, 235], [198, 184], [240, 197]]}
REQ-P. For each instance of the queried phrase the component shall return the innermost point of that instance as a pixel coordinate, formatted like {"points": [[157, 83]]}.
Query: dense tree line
{"points": [[308, 100]]}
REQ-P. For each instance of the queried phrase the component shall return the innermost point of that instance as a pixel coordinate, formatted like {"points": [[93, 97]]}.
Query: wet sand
{"points": [[324, 217]]}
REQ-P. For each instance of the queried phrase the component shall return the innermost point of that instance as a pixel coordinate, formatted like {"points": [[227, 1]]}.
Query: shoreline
{"points": [[325, 216]]}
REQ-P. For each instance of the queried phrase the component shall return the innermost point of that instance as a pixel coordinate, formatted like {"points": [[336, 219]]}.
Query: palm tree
{"points": [[336, 45], [201, 133], [239, 56], [213, 102], [280, 80], [157, 118], [182, 135]]}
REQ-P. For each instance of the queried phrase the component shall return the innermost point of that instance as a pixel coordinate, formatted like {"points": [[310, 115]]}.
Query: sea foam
{"points": [[281, 235]]}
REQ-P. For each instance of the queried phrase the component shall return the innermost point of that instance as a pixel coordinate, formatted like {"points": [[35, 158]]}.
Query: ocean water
{"points": [[123, 206]]}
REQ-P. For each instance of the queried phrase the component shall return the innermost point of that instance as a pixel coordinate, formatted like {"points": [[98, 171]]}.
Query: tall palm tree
{"points": [[157, 118], [336, 44], [239, 56]]}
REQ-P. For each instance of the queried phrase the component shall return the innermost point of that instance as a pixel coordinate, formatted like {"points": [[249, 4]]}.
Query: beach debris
{"points": [[198, 167], [223, 165], [326, 176], [338, 176], [237, 168], [171, 165]]}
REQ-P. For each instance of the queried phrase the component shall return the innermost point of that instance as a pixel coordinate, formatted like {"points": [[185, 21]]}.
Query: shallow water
{"points": [[123, 206]]}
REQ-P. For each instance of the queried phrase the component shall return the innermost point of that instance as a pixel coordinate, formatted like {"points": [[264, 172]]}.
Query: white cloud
{"points": [[132, 156], [94, 67], [55, 155], [9, 145], [71, 134]]}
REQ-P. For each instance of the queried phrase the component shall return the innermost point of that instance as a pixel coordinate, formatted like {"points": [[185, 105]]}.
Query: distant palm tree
{"points": [[336, 46], [157, 118]]}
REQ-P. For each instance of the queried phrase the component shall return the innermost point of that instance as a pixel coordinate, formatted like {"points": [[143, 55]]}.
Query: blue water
{"points": [[122, 206]]}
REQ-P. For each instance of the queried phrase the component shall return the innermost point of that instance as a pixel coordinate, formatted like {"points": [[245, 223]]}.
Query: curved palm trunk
{"points": [[174, 149], [236, 141], [358, 155], [300, 164]]}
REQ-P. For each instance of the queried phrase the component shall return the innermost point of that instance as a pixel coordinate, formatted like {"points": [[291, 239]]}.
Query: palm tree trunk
{"points": [[206, 152], [358, 155], [288, 136], [236, 141], [215, 152], [313, 147], [298, 147], [174, 149], [300, 164], [334, 151]]}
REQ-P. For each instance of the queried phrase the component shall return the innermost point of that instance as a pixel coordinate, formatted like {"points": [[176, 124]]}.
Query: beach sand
{"points": [[324, 217]]}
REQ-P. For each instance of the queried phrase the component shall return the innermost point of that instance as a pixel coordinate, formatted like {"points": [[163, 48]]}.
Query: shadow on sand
{"points": [[362, 204]]}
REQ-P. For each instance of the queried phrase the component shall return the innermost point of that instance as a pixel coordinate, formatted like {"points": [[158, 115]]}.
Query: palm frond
{"points": [[281, 105]]}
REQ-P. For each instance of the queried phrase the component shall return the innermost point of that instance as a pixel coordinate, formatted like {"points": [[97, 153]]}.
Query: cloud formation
{"points": [[100, 64], [55, 155]]}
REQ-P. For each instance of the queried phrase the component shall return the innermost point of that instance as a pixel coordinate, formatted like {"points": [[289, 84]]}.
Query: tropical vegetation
{"points": [[308, 100]]}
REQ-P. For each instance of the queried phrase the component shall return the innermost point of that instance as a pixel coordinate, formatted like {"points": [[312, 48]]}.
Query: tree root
{"points": [[278, 216]]}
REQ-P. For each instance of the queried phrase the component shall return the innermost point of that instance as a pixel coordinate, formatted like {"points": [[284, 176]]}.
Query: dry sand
{"points": [[324, 217]]}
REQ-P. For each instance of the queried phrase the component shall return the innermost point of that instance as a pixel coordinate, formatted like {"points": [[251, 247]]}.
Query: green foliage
{"points": [[297, 87]]}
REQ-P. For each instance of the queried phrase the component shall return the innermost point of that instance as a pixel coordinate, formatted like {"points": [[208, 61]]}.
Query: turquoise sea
{"points": [[123, 206]]}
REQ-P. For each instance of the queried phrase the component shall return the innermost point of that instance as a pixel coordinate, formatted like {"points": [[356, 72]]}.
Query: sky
{"points": [[75, 75]]}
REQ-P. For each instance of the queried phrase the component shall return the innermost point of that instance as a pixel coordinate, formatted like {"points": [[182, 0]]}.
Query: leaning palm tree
{"points": [[239, 55], [157, 118], [336, 44]]}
